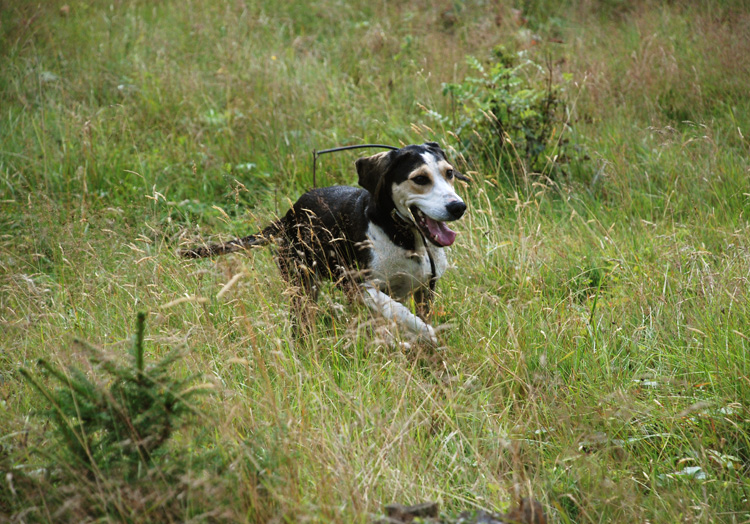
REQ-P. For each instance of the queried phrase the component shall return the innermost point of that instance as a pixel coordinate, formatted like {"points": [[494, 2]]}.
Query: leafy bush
{"points": [[512, 119]]}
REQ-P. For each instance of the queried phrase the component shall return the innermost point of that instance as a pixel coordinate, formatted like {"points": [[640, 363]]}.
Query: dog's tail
{"points": [[263, 238]]}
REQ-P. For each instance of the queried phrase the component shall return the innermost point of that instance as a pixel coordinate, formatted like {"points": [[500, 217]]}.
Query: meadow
{"points": [[595, 320]]}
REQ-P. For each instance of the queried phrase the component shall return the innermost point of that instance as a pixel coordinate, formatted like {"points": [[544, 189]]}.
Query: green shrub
{"points": [[512, 117]]}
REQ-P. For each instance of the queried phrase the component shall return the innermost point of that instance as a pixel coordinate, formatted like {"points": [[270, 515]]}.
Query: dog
{"points": [[385, 242]]}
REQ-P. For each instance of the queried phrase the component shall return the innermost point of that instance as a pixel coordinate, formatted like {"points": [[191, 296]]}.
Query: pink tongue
{"points": [[441, 233]]}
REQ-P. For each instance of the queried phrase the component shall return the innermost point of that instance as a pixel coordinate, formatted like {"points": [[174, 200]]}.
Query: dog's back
{"points": [[327, 229]]}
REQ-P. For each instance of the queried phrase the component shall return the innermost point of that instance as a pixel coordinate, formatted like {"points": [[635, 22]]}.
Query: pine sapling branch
{"points": [[140, 327]]}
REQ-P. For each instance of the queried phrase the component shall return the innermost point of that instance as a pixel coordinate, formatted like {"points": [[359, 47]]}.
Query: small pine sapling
{"points": [[126, 415]]}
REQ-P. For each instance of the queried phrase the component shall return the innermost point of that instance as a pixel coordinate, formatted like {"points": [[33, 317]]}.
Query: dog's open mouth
{"points": [[437, 232]]}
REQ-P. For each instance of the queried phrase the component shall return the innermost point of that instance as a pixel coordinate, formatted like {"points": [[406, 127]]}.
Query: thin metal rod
{"points": [[360, 146], [343, 148]]}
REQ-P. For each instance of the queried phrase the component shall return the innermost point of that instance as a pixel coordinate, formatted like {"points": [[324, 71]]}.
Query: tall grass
{"points": [[596, 340]]}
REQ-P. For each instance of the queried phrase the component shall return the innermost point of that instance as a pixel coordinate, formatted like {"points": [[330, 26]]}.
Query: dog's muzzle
{"points": [[436, 231]]}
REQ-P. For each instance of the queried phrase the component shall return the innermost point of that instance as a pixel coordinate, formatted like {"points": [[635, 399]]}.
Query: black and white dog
{"points": [[385, 241]]}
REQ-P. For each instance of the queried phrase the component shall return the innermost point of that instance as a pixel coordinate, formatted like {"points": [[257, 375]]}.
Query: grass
{"points": [[597, 347]]}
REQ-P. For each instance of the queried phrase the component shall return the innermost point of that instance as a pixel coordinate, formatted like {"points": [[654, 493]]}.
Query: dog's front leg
{"points": [[393, 310]]}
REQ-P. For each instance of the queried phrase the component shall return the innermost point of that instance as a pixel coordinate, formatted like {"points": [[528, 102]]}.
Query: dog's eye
{"points": [[449, 174], [422, 180]]}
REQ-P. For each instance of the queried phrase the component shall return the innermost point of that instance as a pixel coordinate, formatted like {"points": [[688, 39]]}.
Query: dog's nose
{"points": [[456, 209]]}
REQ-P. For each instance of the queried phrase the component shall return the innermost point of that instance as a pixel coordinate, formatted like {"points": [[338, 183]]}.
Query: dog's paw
{"points": [[386, 334], [428, 336]]}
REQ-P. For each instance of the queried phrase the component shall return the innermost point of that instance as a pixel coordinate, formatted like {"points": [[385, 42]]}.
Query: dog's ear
{"points": [[461, 176], [371, 170], [435, 148]]}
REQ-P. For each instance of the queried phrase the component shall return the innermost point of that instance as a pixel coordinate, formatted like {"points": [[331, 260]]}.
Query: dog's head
{"points": [[417, 181]]}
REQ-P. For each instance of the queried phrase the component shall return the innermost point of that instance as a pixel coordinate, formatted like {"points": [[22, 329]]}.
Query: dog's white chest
{"points": [[399, 271]]}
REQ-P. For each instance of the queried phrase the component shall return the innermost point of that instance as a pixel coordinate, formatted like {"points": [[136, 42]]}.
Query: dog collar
{"points": [[398, 217]]}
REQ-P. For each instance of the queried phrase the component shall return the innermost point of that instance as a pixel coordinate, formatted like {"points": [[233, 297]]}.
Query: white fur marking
{"points": [[390, 309], [399, 271]]}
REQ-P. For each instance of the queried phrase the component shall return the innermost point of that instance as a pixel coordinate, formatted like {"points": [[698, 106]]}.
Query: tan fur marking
{"points": [[421, 189], [444, 167]]}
